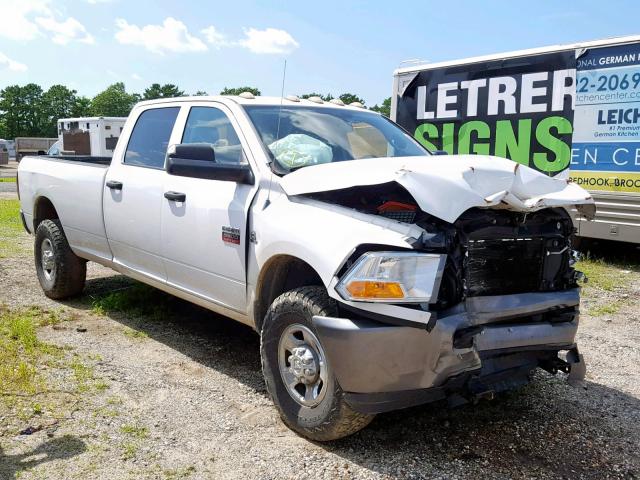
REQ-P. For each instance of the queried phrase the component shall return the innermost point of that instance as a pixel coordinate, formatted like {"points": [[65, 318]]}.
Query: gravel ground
{"points": [[7, 187], [186, 399]]}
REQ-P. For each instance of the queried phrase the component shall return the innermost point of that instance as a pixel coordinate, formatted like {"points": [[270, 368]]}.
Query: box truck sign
{"points": [[606, 138], [518, 108]]}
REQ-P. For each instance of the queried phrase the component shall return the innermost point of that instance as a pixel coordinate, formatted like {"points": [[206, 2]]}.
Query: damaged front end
{"points": [[506, 303]]}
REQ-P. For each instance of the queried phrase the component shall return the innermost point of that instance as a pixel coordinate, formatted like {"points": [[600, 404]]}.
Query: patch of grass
{"points": [[178, 473], [129, 450], [10, 227], [19, 352], [105, 413], [114, 400], [137, 300], [82, 373], [36, 377], [610, 308], [101, 386], [135, 431], [604, 275], [7, 179], [130, 332]]}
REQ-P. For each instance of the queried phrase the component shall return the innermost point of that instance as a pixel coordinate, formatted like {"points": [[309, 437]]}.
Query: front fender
{"points": [[321, 234]]}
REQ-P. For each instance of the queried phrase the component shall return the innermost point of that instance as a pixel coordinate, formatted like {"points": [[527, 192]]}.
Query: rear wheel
{"points": [[61, 272], [297, 372]]}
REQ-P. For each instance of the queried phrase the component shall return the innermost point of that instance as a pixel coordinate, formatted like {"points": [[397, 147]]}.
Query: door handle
{"points": [[175, 196], [114, 185]]}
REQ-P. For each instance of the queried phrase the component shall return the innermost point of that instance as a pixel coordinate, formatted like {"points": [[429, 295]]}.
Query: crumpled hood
{"points": [[447, 186]]}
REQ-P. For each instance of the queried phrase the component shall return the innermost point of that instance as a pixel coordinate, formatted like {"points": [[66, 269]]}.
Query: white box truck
{"points": [[568, 110], [95, 136]]}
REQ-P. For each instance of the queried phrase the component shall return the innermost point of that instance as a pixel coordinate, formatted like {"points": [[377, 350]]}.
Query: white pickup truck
{"points": [[377, 277]]}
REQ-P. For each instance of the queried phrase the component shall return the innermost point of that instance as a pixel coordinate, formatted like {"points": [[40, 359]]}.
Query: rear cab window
{"points": [[149, 139]]}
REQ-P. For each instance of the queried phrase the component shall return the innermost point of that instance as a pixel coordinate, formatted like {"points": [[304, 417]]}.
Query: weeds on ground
{"points": [[610, 308], [607, 281], [137, 300], [135, 431], [603, 275], [131, 333], [10, 227], [135, 434], [37, 378], [178, 473]]}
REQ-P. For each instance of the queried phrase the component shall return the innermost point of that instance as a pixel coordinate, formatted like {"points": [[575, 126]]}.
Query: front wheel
{"points": [[297, 372], [60, 272]]}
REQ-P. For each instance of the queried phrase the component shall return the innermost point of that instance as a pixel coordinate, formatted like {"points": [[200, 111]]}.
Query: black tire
{"points": [[67, 277], [332, 418]]}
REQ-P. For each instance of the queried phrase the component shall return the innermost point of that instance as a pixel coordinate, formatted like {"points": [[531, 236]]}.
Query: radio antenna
{"points": [[284, 76]]}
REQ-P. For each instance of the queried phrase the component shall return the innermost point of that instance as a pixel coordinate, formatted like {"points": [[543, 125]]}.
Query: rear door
{"points": [[133, 193], [204, 237]]}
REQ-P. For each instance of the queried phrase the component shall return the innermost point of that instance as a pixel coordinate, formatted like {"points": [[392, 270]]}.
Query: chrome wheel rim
{"points": [[47, 258], [303, 365]]}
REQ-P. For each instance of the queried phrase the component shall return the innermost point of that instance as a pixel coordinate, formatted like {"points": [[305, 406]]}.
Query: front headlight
{"points": [[395, 277]]}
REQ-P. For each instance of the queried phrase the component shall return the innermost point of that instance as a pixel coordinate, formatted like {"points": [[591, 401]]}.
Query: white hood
{"points": [[447, 186]]}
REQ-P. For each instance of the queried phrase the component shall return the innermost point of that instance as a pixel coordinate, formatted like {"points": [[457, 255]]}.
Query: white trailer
{"points": [[565, 109], [96, 136]]}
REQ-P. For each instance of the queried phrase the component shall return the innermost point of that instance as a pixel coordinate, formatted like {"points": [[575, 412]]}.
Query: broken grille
{"points": [[505, 266]]}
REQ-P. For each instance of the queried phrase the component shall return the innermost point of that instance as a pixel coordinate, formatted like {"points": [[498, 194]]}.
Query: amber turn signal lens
{"points": [[371, 289]]}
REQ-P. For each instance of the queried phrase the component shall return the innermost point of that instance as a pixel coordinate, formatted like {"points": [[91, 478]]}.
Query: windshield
{"points": [[54, 149], [306, 135]]}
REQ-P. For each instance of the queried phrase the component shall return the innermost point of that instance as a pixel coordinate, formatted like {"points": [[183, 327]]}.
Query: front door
{"points": [[133, 196], [204, 234]]}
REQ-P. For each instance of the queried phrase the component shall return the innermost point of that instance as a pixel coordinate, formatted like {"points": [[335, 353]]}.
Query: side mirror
{"points": [[197, 160], [439, 152]]}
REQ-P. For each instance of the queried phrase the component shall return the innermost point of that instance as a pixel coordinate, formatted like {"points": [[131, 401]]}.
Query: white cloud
{"points": [[135, 76], [171, 36], [27, 19], [15, 24], [6, 62], [269, 40], [215, 38], [63, 32]]}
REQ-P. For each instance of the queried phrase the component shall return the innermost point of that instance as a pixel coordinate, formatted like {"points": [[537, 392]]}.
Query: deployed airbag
{"points": [[300, 150]]}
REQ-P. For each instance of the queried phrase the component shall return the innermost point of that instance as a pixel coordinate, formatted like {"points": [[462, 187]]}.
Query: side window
{"points": [[150, 137], [211, 125]]}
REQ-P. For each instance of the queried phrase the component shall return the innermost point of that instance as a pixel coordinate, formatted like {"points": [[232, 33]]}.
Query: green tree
{"points": [[348, 98], [82, 107], [113, 102], [60, 102], [239, 90], [326, 97], [384, 109], [21, 110], [200, 93], [168, 90]]}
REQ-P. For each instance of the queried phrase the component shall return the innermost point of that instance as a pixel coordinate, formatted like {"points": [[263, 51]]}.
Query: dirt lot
{"points": [[133, 383]]}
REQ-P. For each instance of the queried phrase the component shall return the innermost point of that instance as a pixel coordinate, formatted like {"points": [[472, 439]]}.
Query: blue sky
{"points": [[330, 46]]}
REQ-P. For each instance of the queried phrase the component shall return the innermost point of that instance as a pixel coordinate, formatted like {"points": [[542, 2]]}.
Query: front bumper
{"points": [[486, 344]]}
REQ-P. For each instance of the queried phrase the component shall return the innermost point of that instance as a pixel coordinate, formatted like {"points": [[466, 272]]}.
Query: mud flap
{"points": [[578, 367]]}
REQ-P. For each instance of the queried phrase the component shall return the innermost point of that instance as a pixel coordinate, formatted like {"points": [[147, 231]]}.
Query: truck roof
{"points": [[258, 100], [518, 53]]}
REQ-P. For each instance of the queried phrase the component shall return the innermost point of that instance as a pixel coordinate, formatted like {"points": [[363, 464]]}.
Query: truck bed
{"points": [[80, 159], [75, 186]]}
